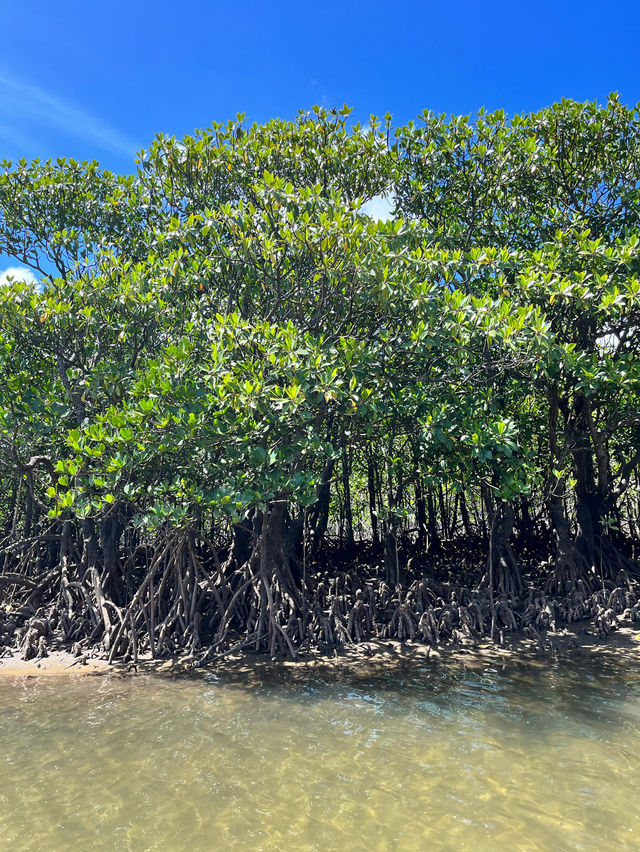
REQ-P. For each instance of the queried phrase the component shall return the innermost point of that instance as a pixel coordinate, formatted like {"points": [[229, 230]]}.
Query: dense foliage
{"points": [[241, 412]]}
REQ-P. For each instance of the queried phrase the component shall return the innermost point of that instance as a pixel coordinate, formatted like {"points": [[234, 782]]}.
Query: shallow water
{"points": [[520, 757]]}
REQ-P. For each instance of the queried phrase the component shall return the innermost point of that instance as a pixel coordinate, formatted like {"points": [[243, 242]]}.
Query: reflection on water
{"points": [[517, 758]]}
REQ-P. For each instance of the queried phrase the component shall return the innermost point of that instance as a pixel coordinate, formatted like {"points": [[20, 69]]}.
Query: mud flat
{"points": [[370, 657]]}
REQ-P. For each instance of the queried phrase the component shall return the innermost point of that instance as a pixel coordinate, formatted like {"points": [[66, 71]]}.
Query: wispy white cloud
{"points": [[20, 101], [379, 207], [18, 273]]}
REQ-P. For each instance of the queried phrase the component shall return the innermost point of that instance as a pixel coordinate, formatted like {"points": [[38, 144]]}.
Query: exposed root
{"points": [[176, 595]]}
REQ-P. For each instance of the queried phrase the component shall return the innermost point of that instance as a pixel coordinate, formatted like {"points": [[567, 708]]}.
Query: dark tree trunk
{"points": [[502, 566], [242, 536], [453, 520], [391, 561], [421, 514], [588, 506], [432, 525], [110, 530], [281, 547], [570, 565], [444, 514], [90, 566], [90, 545], [526, 532], [464, 514], [319, 515], [346, 494], [371, 488]]}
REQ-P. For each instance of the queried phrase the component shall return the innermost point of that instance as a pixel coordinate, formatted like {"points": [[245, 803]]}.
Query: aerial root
{"points": [[184, 599]]}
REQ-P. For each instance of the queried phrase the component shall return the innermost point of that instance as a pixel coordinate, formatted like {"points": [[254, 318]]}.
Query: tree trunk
{"points": [[110, 529], [421, 514], [346, 493], [319, 515], [371, 488], [464, 514], [502, 566], [432, 525]]}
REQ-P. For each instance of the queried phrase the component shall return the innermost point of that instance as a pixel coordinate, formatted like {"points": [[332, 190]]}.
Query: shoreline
{"points": [[369, 657]]}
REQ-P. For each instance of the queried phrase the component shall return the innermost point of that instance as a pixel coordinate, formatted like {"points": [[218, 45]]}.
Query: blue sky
{"points": [[98, 80]]}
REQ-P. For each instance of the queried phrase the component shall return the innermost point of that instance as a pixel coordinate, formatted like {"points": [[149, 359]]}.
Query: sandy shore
{"points": [[57, 663]]}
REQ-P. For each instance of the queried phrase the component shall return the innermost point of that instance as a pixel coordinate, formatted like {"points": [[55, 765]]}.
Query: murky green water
{"points": [[516, 758]]}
